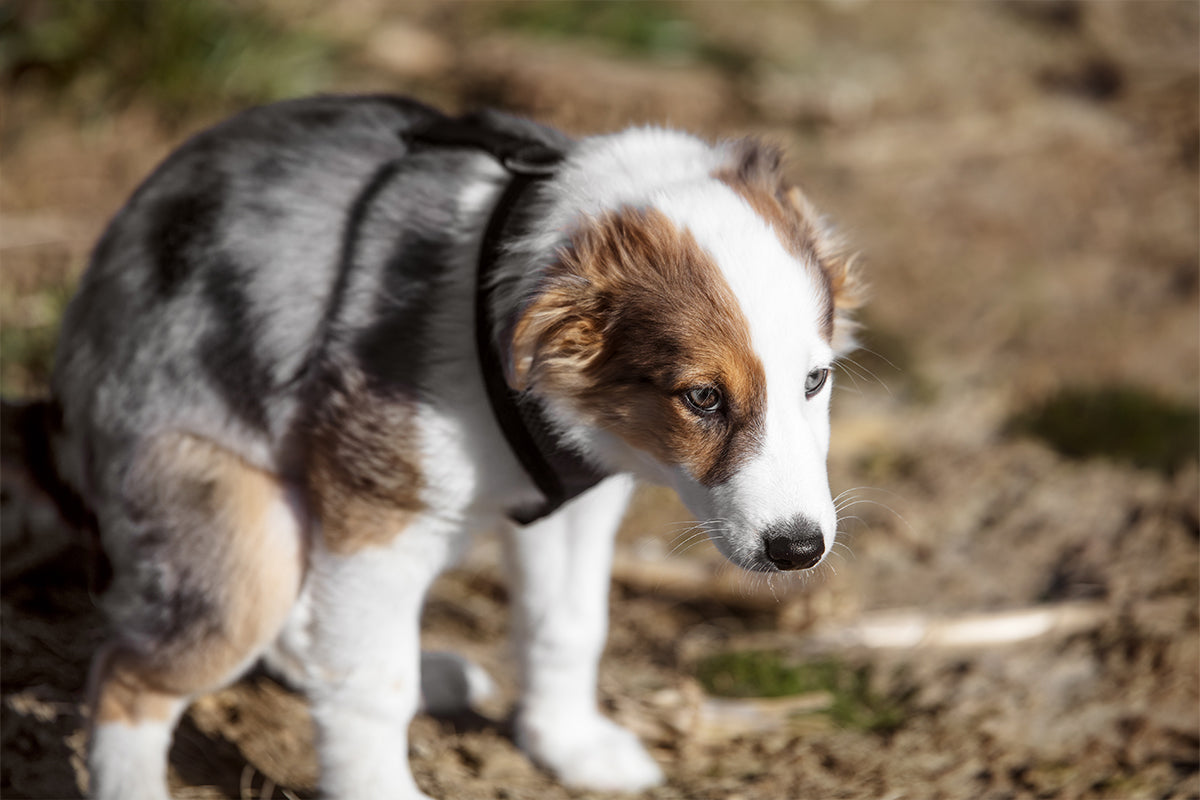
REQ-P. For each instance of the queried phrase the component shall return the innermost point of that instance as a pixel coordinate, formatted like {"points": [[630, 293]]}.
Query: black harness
{"points": [[559, 472]]}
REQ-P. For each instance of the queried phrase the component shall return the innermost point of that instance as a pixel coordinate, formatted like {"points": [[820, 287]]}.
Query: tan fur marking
{"points": [[363, 466], [757, 177], [123, 693], [216, 512], [634, 314]]}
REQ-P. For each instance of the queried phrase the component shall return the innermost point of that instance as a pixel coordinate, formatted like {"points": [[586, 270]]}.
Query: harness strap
{"points": [[558, 471]]}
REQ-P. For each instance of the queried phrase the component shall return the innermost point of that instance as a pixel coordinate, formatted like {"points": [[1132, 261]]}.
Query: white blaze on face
{"points": [[784, 304]]}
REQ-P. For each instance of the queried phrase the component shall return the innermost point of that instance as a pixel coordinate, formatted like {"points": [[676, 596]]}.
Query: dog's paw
{"points": [[589, 753]]}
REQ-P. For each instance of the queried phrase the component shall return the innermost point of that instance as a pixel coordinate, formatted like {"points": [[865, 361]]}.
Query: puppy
{"points": [[330, 339]]}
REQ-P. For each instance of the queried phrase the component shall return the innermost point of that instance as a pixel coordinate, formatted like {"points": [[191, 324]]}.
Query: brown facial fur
{"points": [[633, 315], [756, 176], [363, 475], [211, 510]]}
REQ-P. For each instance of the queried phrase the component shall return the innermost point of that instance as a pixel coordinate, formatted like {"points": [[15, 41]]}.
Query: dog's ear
{"points": [[557, 331], [755, 171], [839, 265], [755, 163], [559, 335]]}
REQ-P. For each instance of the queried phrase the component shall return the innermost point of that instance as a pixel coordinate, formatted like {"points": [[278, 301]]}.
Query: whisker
{"points": [[858, 364], [848, 502], [849, 556], [843, 494], [856, 389], [688, 543], [881, 357], [854, 375], [854, 367], [841, 503]]}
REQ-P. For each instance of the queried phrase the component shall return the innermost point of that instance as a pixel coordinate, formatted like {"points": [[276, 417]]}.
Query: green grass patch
{"points": [[639, 28], [1123, 423], [755, 673], [184, 55], [27, 343], [761, 673]]}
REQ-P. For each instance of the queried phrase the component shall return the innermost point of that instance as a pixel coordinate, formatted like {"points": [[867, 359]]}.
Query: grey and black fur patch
{"points": [[227, 353], [291, 250], [183, 228]]}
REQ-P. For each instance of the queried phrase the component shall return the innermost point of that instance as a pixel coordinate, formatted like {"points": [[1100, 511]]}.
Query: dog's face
{"points": [[694, 339]]}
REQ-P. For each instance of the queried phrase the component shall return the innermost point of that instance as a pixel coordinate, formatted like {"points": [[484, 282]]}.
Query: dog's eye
{"points": [[704, 399], [815, 380]]}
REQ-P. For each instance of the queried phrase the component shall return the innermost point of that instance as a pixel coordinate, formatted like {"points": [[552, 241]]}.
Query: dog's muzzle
{"points": [[797, 544]]}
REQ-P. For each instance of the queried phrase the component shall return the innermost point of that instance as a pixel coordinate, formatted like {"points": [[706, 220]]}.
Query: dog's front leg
{"points": [[561, 572], [365, 688]]}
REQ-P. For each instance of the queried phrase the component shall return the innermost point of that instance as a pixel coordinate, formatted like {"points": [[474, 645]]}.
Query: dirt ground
{"points": [[1001, 619]]}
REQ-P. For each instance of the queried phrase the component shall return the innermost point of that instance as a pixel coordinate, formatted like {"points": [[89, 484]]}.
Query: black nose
{"points": [[794, 545]]}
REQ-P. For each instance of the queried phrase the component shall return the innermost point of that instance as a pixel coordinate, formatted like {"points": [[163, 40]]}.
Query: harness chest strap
{"points": [[558, 471]]}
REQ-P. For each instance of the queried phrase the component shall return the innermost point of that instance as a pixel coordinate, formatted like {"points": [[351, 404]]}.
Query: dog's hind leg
{"points": [[561, 568], [211, 558]]}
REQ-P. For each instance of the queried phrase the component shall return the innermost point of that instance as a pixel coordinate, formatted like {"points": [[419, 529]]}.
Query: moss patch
{"points": [[1123, 423], [28, 340], [754, 673], [639, 28], [759, 673]]}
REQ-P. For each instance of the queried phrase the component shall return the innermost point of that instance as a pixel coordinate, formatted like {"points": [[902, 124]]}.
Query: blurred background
{"points": [[1012, 609]]}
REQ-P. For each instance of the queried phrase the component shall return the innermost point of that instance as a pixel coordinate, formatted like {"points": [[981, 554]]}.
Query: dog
{"points": [[330, 339]]}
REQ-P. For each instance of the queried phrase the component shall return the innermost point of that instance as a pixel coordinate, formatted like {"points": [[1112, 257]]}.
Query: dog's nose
{"points": [[794, 545]]}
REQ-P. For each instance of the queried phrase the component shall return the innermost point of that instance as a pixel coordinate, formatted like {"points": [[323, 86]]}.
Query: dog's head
{"points": [[690, 339]]}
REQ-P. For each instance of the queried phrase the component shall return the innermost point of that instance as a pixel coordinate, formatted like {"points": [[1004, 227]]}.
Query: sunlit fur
{"points": [[271, 398], [782, 281]]}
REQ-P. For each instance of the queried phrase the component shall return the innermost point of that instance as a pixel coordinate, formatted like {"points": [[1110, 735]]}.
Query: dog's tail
{"points": [[42, 514]]}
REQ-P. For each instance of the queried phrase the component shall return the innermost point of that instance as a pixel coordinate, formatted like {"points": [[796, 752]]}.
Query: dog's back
{"points": [[177, 324], [261, 259]]}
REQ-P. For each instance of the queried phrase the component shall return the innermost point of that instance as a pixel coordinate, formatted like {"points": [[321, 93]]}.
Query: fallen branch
{"points": [[917, 629]]}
